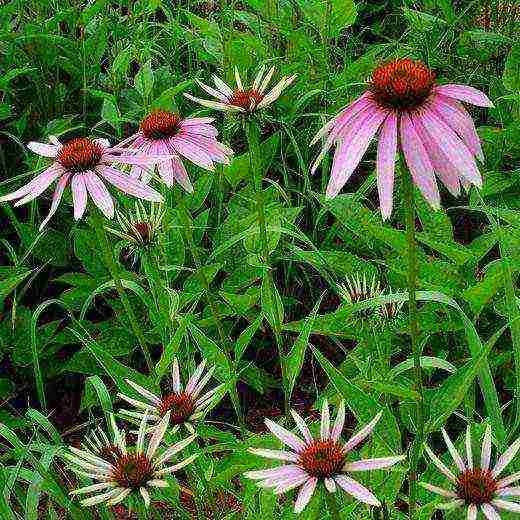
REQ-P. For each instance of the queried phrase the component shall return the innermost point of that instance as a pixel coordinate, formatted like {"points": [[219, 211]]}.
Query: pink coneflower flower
{"points": [[241, 98], [182, 405], [167, 133], [119, 471], [318, 460], [477, 487], [437, 135], [85, 162]]}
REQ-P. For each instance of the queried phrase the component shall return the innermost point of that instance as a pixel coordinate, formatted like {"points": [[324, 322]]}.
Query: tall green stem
{"points": [[332, 505], [409, 206], [203, 280], [114, 272]]}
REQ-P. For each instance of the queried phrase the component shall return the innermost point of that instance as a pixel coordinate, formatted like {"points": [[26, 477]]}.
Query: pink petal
{"points": [[194, 153], [330, 485], [386, 152], [456, 151], [176, 378], [290, 483], [194, 379], [469, 452], [211, 91], [509, 480], [305, 495], [454, 453], [45, 150], [352, 148], [325, 420], [79, 195], [486, 449], [288, 456], [197, 130], [370, 464], [439, 491], [137, 160], [465, 93], [302, 426], [455, 116], [418, 162], [285, 436], [509, 492], [490, 512], [339, 422], [363, 433], [56, 198], [506, 458], [128, 185], [506, 505], [281, 472], [99, 193], [355, 489], [39, 184], [180, 174]]}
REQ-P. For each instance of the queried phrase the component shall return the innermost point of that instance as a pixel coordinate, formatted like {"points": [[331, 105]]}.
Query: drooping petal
{"points": [[509, 492], [94, 487], [486, 449], [143, 391], [418, 162], [211, 91], [120, 497], [79, 195], [386, 156], [223, 87], [509, 480], [176, 378], [128, 185], [146, 497], [158, 435], [45, 150], [291, 483], [193, 152], [214, 104], [56, 198], [103, 497], [285, 436], [175, 448], [370, 464], [465, 93], [37, 185], [279, 472], [305, 495], [99, 193], [355, 489], [359, 437]]}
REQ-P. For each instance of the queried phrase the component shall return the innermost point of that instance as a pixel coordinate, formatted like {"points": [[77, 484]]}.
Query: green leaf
{"points": [[342, 14], [426, 362], [172, 348], [511, 77], [11, 277], [110, 113], [246, 336], [144, 80], [272, 305]]}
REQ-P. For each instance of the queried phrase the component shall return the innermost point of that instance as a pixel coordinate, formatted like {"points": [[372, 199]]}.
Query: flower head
{"points": [[243, 99], [357, 289], [437, 135], [318, 460], [119, 471], [183, 406], [166, 134], [84, 162], [478, 486]]}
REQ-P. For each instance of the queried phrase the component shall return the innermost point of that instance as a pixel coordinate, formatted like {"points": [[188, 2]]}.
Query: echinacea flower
{"points": [[478, 486], [241, 98], [119, 471], [318, 460], [164, 133], [183, 406], [436, 134], [138, 229], [85, 162], [357, 289]]}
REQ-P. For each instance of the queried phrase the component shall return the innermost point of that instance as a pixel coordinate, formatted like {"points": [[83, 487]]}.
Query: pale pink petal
{"points": [[196, 121], [37, 185], [418, 162], [137, 160], [451, 144], [194, 379], [211, 91], [56, 198], [325, 420], [509, 492], [386, 155], [359, 437], [288, 456], [281, 472], [506, 458], [285, 436], [440, 465], [176, 378], [509, 480], [439, 491], [352, 149], [339, 422], [302, 426], [465, 93], [490, 512], [486, 449], [472, 512], [330, 485], [305, 495], [453, 452], [99, 193], [455, 115], [193, 152], [286, 485], [214, 104], [197, 130], [45, 150], [79, 195], [355, 489], [370, 464], [128, 185], [469, 452]]}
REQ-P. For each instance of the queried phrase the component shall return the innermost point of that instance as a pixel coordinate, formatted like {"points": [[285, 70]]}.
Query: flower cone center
{"points": [[143, 232], [111, 453], [476, 486], [160, 124], [80, 154], [246, 99], [322, 459], [402, 84], [132, 470], [180, 406]]}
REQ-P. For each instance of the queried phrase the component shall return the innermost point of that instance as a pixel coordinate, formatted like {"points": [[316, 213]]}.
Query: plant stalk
{"points": [[332, 505], [114, 272], [409, 206]]}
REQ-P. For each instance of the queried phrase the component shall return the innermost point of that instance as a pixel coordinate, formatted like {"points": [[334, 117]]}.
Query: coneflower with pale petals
{"points": [[183, 406], [478, 486], [164, 133], [324, 460], [243, 99], [404, 103], [118, 471], [84, 162]]}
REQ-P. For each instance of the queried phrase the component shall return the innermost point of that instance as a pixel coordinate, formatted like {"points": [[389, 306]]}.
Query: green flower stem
{"points": [[332, 505], [415, 452], [253, 141], [203, 280], [111, 264]]}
